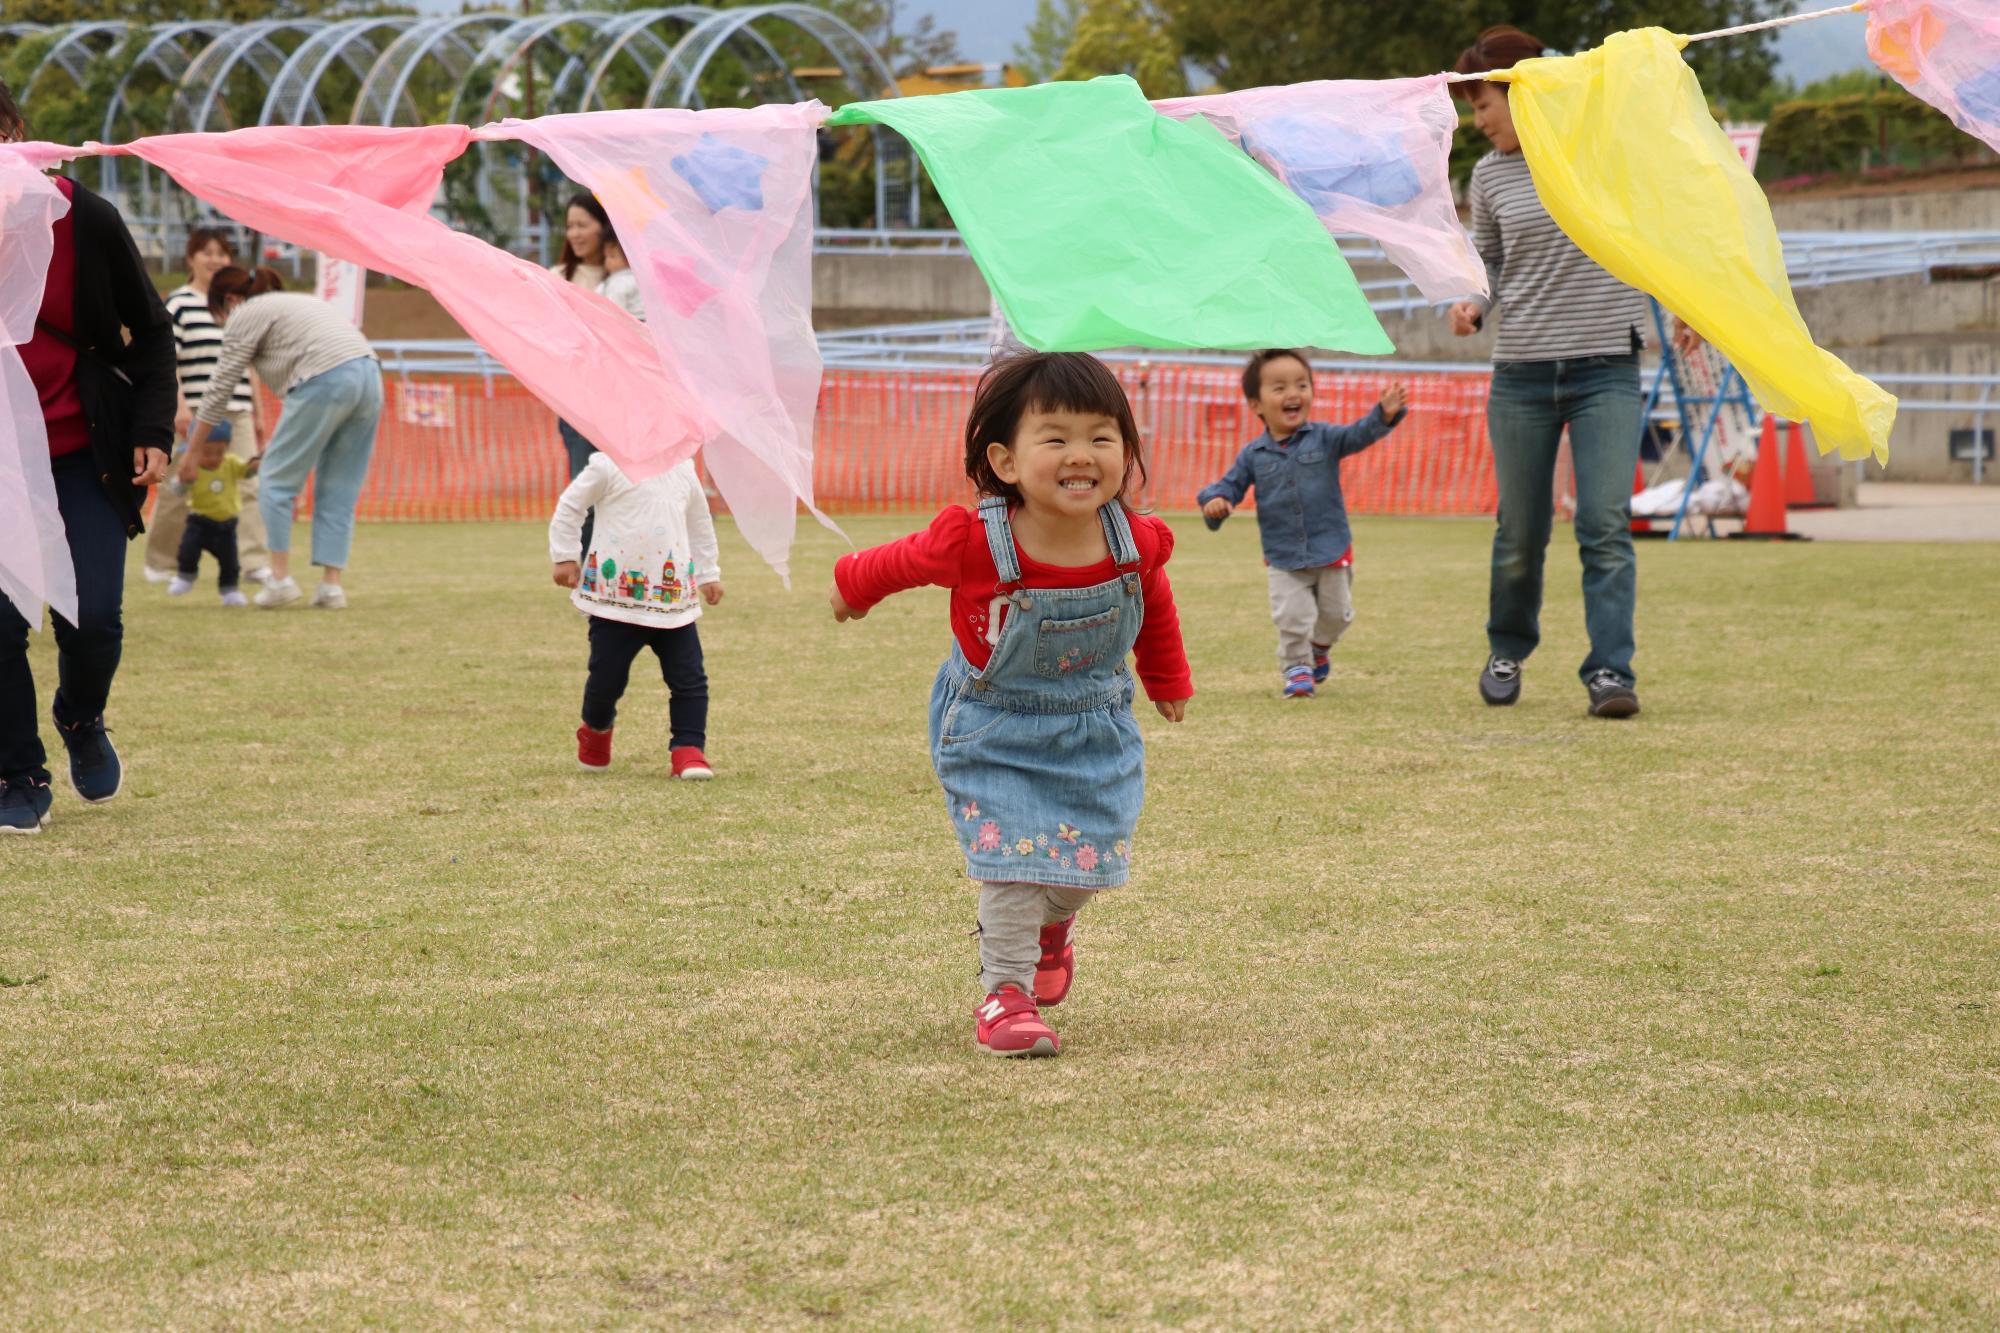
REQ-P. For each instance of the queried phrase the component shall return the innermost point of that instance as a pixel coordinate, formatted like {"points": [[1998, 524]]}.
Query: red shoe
{"points": [[1009, 1025], [692, 764], [1057, 967], [593, 749]]}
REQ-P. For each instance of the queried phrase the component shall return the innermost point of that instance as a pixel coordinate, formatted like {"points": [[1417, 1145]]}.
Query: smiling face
{"points": [[585, 236], [1494, 117], [206, 262], [1066, 464], [1284, 395]]}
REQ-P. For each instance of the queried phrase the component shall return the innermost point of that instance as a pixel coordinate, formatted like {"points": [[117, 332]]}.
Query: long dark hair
{"points": [[588, 203], [233, 281], [1028, 382], [1501, 47], [13, 125]]}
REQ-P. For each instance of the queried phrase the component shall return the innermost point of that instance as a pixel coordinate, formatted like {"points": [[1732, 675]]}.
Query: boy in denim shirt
{"points": [[1301, 518]]}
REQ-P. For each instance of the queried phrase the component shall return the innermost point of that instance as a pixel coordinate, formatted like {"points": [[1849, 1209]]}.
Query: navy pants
{"points": [[218, 538], [87, 652], [613, 645]]}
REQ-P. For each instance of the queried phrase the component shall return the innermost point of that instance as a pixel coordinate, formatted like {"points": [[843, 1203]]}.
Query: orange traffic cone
{"points": [[1766, 519], [1641, 527], [1798, 477]]}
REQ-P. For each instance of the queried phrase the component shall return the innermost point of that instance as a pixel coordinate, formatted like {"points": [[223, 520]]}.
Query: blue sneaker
{"points": [[94, 769], [24, 807], [1298, 682], [1322, 666]]}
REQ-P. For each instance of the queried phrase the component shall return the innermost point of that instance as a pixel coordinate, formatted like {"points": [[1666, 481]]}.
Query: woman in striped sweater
{"points": [[1566, 356], [197, 344]]}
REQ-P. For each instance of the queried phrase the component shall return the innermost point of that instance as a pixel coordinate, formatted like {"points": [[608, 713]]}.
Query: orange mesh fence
{"points": [[459, 447]]}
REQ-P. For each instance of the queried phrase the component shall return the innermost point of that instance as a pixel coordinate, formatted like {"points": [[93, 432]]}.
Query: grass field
{"points": [[364, 1007]]}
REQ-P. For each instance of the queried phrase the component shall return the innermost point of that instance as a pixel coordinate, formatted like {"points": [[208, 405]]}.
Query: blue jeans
{"points": [[327, 431], [87, 652], [1598, 398]]}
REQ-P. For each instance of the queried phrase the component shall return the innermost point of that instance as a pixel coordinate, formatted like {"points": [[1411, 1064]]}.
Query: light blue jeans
{"points": [[1598, 398], [327, 432]]}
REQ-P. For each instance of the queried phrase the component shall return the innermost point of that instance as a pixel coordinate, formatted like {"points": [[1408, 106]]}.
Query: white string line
{"points": [[1500, 75]]}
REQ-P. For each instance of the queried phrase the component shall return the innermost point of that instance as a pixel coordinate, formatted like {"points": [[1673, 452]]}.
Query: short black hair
{"points": [[1253, 369], [1025, 382]]}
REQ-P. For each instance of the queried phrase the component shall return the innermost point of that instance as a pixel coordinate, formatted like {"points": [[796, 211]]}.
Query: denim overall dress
{"points": [[1043, 767]]}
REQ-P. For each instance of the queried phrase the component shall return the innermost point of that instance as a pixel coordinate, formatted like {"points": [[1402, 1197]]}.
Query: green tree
{"points": [[1040, 54], [1242, 43], [1125, 37]]}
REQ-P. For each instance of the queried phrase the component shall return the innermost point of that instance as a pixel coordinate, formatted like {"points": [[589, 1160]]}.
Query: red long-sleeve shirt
{"points": [[51, 362], [952, 553]]}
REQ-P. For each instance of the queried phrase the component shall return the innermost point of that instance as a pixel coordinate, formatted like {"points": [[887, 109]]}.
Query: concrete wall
{"points": [[1919, 448], [1955, 210], [850, 289]]}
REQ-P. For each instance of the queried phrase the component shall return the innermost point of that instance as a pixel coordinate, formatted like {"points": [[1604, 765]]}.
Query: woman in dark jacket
{"points": [[108, 403]]}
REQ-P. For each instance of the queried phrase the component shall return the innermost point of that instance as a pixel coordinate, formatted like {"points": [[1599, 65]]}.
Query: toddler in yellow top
{"points": [[211, 473]]}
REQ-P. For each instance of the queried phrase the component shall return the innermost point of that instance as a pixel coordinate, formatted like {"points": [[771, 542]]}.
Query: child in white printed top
{"points": [[653, 561]]}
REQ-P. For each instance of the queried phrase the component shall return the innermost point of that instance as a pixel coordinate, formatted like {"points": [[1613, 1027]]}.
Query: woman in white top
{"points": [[586, 231], [197, 344], [305, 349]]}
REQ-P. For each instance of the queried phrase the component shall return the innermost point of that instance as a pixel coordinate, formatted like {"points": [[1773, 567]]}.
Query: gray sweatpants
{"points": [[1310, 606], [1011, 917]]}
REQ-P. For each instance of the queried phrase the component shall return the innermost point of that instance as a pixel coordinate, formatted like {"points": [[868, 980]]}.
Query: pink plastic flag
{"points": [[1946, 52], [35, 568], [360, 193], [714, 210], [1372, 158]]}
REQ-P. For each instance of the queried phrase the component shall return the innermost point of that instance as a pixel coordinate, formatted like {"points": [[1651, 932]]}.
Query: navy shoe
{"points": [[24, 807], [94, 769]]}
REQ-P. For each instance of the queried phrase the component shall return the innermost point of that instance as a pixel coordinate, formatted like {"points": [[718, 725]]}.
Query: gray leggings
{"points": [[1011, 917]]}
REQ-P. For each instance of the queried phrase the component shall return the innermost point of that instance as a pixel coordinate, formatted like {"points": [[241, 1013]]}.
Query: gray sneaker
{"points": [[1610, 696], [277, 593], [330, 597], [1500, 682]]}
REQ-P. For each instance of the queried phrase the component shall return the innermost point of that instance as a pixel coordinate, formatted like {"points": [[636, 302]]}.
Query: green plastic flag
{"points": [[1100, 223]]}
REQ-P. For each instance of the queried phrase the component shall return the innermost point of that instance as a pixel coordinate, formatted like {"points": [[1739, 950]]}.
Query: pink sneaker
{"points": [[1057, 967], [1008, 1024], [593, 749]]}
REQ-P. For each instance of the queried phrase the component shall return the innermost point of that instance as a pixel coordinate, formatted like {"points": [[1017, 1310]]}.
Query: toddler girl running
{"points": [[1053, 581], [652, 562]]}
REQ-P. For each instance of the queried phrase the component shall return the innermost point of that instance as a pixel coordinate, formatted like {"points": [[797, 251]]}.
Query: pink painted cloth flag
{"points": [[1946, 52], [35, 568], [361, 193], [714, 211], [1372, 158]]}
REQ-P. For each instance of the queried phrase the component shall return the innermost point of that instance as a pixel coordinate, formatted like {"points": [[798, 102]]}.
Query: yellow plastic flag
{"points": [[1632, 166]]}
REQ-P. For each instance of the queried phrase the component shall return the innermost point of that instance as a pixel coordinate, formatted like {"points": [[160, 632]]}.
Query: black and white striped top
{"points": [[1559, 303], [197, 345]]}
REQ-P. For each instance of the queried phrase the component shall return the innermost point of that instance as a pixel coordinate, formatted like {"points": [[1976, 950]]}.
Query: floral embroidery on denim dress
{"points": [[1041, 760]]}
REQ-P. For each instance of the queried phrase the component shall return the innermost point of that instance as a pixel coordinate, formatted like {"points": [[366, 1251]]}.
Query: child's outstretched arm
{"points": [[1384, 417], [1159, 658], [1220, 497], [707, 551], [934, 556], [566, 528]]}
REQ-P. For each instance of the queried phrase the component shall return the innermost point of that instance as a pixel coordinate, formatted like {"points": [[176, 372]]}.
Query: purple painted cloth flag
{"points": [[1372, 158], [1946, 52], [714, 211]]}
